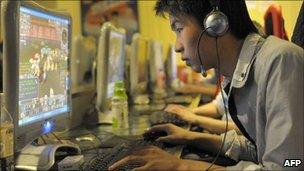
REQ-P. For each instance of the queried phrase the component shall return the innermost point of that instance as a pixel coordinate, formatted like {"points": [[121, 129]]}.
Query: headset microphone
{"points": [[203, 71]]}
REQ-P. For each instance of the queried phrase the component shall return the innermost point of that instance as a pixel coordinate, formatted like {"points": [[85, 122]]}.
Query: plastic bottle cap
{"points": [[119, 85]]}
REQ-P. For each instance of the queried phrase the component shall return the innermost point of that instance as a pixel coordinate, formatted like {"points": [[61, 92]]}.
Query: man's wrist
{"points": [[193, 110], [194, 120], [191, 137]]}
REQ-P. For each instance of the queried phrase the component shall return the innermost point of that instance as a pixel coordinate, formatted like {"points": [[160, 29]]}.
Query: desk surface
{"points": [[138, 123]]}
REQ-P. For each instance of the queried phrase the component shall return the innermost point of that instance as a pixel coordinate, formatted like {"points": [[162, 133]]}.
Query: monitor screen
{"points": [[36, 69], [43, 65], [116, 64]]}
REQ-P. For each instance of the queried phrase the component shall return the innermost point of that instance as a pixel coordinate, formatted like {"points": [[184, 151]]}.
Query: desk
{"points": [[138, 123]]}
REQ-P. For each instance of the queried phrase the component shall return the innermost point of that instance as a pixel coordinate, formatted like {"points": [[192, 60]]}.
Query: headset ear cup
{"points": [[217, 22]]}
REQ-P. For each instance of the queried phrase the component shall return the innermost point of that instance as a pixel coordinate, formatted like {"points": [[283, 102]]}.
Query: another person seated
{"points": [[207, 86], [206, 116]]}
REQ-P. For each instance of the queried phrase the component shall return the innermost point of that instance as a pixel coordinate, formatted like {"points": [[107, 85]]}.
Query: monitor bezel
{"points": [[102, 102], [78, 49], [171, 67], [134, 58], [25, 134], [154, 56]]}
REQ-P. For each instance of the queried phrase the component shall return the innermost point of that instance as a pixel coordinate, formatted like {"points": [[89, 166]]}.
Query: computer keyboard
{"points": [[179, 99], [104, 160], [164, 117]]}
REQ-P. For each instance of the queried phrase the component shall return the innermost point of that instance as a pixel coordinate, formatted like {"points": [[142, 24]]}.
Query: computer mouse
{"points": [[151, 136], [84, 138], [192, 156]]}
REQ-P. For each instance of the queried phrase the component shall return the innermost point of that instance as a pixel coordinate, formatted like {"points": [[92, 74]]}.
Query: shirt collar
{"points": [[246, 58]]}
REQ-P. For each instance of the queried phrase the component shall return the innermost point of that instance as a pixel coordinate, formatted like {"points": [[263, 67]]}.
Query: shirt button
{"points": [[243, 75]]}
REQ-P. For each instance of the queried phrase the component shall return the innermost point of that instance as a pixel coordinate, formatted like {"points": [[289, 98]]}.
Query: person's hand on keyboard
{"points": [[149, 158], [181, 112], [174, 134]]}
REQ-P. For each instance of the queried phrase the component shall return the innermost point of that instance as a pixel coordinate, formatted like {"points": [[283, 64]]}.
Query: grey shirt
{"points": [[268, 94]]}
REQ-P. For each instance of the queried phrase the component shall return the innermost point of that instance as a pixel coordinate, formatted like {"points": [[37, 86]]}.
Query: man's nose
{"points": [[178, 47]]}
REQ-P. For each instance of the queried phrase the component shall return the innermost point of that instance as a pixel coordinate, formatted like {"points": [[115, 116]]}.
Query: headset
{"points": [[216, 21], [215, 24]]}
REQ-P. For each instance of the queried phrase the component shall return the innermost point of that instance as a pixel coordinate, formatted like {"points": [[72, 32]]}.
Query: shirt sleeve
{"points": [[240, 149], [237, 147], [218, 102], [284, 109]]}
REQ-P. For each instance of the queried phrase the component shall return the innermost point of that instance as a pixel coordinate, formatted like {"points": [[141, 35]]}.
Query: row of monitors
{"points": [[37, 75], [140, 65]]}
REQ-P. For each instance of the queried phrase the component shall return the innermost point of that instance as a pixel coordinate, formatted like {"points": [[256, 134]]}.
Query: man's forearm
{"points": [[208, 110], [214, 126], [205, 141]]}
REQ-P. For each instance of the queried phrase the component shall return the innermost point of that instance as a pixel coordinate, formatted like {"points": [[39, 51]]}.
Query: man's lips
{"points": [[188, 62]]}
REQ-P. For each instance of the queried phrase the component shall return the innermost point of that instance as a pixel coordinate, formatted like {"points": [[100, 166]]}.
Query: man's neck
{"points": [[230, 50]]}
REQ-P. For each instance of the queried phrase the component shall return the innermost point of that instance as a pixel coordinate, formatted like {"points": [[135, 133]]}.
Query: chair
{"points": [[274, 22]]}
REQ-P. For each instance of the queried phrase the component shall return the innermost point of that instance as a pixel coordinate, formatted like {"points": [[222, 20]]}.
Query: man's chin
{"points": [[196, 69]]}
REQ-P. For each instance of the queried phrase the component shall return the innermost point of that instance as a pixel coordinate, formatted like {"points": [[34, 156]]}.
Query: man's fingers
{"points": [[142, 151], [145, 167], [121, 163], [131, 159], [167, 139], [161, 127]]}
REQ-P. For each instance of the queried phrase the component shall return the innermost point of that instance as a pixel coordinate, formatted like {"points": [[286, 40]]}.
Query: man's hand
{"points": [[153, 158], [182, 112], [175, 134], [149, 158]]}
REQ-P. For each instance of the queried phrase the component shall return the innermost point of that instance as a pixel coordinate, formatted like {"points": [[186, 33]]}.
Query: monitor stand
{"points": [[141, 99], [43, 157], [105, 117]]}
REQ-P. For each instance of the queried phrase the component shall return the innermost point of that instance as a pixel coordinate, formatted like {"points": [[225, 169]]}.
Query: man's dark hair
{"points": [[240, 24]]}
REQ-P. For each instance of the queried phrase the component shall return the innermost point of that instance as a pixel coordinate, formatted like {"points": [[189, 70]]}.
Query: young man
{"points": [[266, 92]]}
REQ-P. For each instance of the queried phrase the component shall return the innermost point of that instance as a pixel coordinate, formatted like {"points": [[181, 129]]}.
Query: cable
{"points": [[221, 89], [92, 99], [56, 137], [43, 139], [224, 102], [198, 52], [92, 109]]}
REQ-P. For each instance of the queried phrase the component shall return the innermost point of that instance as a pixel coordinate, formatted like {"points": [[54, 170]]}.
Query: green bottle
{"points": [[120, 109]]}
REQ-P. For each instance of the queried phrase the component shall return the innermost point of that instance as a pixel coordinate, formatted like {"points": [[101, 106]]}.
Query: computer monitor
{"points": [[156, 66], [171, 67], [138, 65], [36, 69], [110, 63], [83, 63]]}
